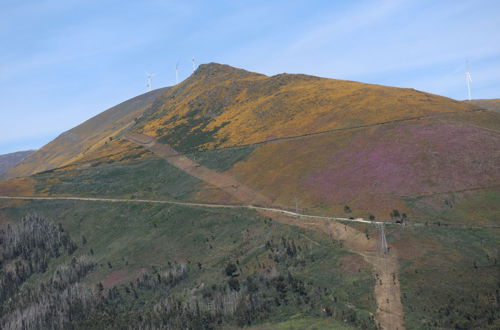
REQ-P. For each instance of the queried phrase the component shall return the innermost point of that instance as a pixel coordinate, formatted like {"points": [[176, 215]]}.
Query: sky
{"points": [[64, 61]]}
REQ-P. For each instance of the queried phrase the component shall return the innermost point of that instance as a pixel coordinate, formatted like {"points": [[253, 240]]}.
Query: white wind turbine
{"points": [[149, 83], [177, 73], [468, 78], [194, 64]]}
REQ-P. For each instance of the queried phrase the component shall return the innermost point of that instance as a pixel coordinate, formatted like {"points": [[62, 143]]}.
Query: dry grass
{"points": [[254, 107]]}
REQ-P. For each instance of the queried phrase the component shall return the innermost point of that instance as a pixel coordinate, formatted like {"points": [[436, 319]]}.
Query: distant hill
{"points": [[75, 143], [12, 159], [490, 104]]}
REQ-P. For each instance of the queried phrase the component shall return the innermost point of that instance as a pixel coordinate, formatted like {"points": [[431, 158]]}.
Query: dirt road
{"points": [[211, 205]]}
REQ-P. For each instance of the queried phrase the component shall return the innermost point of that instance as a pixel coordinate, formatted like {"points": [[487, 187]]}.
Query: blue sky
{"points": [[63, 61]]}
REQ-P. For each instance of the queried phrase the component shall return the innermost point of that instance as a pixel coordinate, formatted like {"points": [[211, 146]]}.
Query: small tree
{"points": [[347, 209], [231, 269], [372, 217]]}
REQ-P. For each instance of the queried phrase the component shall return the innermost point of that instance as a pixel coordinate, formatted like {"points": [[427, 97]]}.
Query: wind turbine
{"points": [[149, 84], [177, 73], [194, 64], [468, 78]]}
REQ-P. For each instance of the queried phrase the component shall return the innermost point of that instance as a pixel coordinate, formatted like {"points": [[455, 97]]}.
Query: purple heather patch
{"points": [[409, 159]]}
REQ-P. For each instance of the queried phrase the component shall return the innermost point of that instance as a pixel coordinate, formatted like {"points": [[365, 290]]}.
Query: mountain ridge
{"points": [[12, 159], [73, 144]]}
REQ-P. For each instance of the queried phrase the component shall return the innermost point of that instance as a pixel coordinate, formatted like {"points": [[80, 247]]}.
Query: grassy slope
{"points": [[374, 170], [135, 238], [150, 177], [86, 137], [491, 104], [449, 276]]}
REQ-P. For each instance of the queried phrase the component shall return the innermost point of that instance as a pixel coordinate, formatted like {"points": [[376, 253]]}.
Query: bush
{"points": [[231, 270]]}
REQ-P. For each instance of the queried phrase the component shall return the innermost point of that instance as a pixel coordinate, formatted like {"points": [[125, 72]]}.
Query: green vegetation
{"points": [[221, 160], [276, 271], [151, 177], [471, 207], [191, 133], [297, 322], [449, 277]]}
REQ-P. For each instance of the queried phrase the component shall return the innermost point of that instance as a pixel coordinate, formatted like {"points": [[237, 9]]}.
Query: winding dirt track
{"points": [[192, 204], [387, 292]]}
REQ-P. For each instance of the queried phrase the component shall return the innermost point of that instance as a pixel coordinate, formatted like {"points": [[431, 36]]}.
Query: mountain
{"points": [[372, 147], [235, 199], [12, 159], [335, 142], [84, 138]]}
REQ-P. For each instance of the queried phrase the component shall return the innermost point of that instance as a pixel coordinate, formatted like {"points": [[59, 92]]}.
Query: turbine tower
{"points": [[468, 78], [194, 64], [149, 83], [177, 73]]}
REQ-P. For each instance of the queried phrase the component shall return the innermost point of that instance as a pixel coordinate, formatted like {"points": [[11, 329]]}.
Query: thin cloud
{"points": [[346, 22]]}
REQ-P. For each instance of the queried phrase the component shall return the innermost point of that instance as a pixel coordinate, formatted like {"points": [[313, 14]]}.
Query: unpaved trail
{"points": [[271, 210], [385, 265], [387, 292], [224, 182]]}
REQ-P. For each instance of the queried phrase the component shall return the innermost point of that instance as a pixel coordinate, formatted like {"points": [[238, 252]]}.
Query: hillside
{"points": [[185, 224], [333, 143], [372, 147], [490, 104], [223, 106], [84, 138], [12, 159]]}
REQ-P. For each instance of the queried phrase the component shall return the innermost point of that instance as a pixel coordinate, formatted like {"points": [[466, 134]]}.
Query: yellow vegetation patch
{"points": [[255, 108], [17, 187]]}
